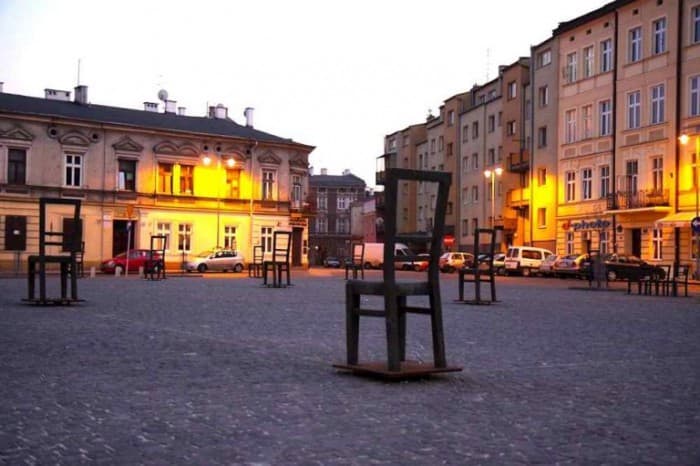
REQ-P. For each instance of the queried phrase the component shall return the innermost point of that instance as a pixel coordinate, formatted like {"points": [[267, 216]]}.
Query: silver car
{"points": [[218, 259]]}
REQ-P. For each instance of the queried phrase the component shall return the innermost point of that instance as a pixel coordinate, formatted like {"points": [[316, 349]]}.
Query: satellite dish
{"points": [[163, 95]]}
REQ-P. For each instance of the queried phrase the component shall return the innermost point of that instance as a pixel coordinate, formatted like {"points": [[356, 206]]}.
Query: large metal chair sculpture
{"points": [[70, 243], [396, 294], [480, 272], [255, 266], [154, 267], [278, 261], [356, 262]]}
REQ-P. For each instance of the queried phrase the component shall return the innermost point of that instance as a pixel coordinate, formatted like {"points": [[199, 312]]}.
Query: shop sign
{"points": [[598, 224], [297, 222]]}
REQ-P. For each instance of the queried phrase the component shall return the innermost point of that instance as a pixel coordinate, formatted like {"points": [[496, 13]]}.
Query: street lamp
{"points": [[230, 163], [491, 176], [684, 139]]}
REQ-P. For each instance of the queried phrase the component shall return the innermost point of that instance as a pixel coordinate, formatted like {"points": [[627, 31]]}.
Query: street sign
{"points": [[695, 224]]}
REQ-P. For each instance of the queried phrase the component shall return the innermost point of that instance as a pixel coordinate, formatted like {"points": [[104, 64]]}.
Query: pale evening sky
{"points": [[338, 76]]}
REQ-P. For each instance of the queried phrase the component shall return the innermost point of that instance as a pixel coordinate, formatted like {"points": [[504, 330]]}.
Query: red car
{"points": [[137, 259]]}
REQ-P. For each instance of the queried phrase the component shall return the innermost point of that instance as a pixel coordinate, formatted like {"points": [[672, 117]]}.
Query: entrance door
{"points": [[297, 234], [120, 236], [637, 242]]}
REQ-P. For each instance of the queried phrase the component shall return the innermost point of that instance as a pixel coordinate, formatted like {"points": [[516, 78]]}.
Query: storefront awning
{"points": [[677, 220]]}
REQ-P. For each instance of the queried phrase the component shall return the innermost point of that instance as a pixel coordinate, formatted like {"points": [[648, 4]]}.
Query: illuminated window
{"points": [[184, 237], [570, 186], [73, 170], [127, 175], [268, 185], [186, 179], [163, 229], [657, 242], [230, 237], [165, 178]]}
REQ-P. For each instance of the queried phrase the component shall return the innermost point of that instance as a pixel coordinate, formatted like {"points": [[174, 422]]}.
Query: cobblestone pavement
{"points": [[218, 370]]}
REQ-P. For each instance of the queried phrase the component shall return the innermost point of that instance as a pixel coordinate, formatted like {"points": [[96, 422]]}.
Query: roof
{"points": [[583, 19], [337, 180], [41, 107]]}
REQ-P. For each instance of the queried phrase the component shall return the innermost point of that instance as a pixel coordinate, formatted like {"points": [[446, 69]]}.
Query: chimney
{"points": [[55, 94], [1, 83], [150, 106], [248, 116], [170, 106], [346, 172], [220, 112], [182, 111], [81, 94], [324, 171]]}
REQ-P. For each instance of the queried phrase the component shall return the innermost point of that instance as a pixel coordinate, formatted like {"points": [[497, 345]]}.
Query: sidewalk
{"points": [[220, 370]]}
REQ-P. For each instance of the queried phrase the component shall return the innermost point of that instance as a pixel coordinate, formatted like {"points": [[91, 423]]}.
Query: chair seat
{"points": [[378, 288], [47, 259]]}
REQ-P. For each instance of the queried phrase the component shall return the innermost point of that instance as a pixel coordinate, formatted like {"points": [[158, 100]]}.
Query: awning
{"points": [[677, 220]]}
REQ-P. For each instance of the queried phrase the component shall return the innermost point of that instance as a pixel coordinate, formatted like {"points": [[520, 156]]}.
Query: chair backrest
{"points": [[70, 239], [491, 248], [358, 253], [682, 273], [257, 254], [392, 176], [159, 243], [281, 245]]}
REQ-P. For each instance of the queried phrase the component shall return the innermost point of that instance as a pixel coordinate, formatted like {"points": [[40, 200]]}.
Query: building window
{"points": [[465, 227], [587, 184], [322, 199], [603, 242], [587, 117], [571, 62], [450, 118], [268, 185], [570, 186], [512, 90], [657, 242], [631, 173], [543, 96], [570, 126], [475, 161], [569, 242], [186, 179], [541, 177], [542, 217], [475, 194], [230, 237], [475, 224], [184, 237], [588, 62], [450, 149], [127, 175], [635, 44], [405, 141], [342, 201], [163, 229], [266, 238], [17, 166], [465, 133], [544, 58], [695, 96], [606, 56], [604, 181], [233, 183], [74, 168], [296, 191], [511, 128], [658, 29], [165, 178], [432, 146], [695, 24], [491, 123], [605, 118], [657, 174], [658, 104], [321, 225], [491, 156], [465, 196], [475, 130], [542, 136], [634, 110], [342, 225]]}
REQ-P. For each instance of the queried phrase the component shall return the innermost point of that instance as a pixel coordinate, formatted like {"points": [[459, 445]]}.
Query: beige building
{"points": [[201, 181]]}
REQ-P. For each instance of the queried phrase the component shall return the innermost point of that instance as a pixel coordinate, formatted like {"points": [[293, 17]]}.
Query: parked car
{"points": [[572, 265], [421, 262], [625, 266], [137, 259], [485, 260], [547, 266], [451, 261], [216, 259], [525, 260], [332, 262]]}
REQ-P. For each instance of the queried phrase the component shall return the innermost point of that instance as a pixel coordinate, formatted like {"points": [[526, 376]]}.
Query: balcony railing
{"points": [[637, 200], [519, 162], [519, 197]]}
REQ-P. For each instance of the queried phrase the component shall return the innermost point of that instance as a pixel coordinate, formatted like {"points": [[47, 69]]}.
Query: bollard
{"points": [[92, 272], [141, 275], [117, 271]]}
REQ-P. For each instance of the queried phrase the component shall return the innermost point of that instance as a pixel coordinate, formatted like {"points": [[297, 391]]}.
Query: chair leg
{"points": [[393, 332], [401, 305], [437, 330], [352, 325]]}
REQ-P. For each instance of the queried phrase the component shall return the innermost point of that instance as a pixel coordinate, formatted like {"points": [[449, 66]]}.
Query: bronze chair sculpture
{"points": [[356, 262]]}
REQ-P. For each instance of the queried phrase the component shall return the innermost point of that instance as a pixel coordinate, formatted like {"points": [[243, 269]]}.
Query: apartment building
{"points": [[201, 181]]}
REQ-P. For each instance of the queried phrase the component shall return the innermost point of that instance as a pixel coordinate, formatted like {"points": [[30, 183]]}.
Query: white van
{"points": [[374, 254], [525, 260]]}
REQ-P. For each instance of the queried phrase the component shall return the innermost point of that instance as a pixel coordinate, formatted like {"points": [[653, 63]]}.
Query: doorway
{"points": [[636, 242], [120, 236], [297, 234]]}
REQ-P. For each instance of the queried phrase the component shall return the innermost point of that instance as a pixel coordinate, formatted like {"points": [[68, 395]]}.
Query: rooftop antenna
{"points": [[78, 72], [488, 63]]}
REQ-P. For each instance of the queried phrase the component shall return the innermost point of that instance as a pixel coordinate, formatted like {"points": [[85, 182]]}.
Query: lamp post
{"points": [[230, 162], [491, 176], [684, 138]]}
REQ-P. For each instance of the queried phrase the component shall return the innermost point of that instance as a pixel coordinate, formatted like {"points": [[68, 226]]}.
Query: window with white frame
{"points": [[266, 238], [296, 191], [569, 242], [321, 225], [475, 130], [184, 237], [587, 183], [543, 96], [511, 128], [571, 63], [441, 143], [491, 127], [342, 225], [475, 194], [465, 133], [587, 117], [322, 199], [603, 242], [657, 175], [163, 229], [694, 106], [268, 185], [631, 175], [570, 195], [342, 200], [570, 126], [658, 104], [588, 62], [695, 25], [465, 196], [465, 164], [73, 170], [512, 90], [606, 56], [544, 58], [432, 146], [635, 44], [542, 217], [450, 118], [230, 237], [475, 161], [657, 241], [605, 109], [604, 181], [658, 31], [634, 110]]}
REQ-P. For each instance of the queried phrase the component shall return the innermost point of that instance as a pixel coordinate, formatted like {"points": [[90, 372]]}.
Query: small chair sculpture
{"points": [[678, 279], [395, 294], [356, 262], [278, 262], [255, 267], [79, 261], [154, 267], [480, 271], [70, 243]]}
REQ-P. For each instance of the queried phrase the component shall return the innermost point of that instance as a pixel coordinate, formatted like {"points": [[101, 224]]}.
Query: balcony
{"points": [[623, 200], [519, 162], [518, 198]]}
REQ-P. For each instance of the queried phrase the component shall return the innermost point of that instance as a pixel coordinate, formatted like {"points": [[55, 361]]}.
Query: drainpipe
{"points": [[532, 142], [679, 85], [614, 134]]}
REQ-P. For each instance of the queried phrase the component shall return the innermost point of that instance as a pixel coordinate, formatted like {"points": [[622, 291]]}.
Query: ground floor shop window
{"points": [[184, 237], [266, 238], [163, 229], [569, 242], [657, 244], [229, 237], [604, 245]]}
